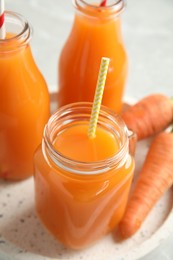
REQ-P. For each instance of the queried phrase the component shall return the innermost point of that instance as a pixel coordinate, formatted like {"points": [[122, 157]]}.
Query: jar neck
{"points": [[18, 33], [93, 9], [77, 112]]}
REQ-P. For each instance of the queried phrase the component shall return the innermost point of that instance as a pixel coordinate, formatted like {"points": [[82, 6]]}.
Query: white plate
{"points": [[22, 236]]}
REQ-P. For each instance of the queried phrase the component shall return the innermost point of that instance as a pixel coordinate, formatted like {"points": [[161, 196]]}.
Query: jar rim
{"points": [[22, 37], [96, 166]]}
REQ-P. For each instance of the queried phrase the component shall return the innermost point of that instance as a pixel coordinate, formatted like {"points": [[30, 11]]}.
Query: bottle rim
{"points": [[19, 39], [114, 9], [65, 115]]}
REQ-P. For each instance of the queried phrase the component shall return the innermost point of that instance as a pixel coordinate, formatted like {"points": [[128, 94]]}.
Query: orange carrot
{"points": [[155, 179], [149, 116]]}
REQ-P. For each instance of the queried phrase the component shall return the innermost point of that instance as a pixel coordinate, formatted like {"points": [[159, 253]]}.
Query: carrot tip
{"points": [[127, 230]]}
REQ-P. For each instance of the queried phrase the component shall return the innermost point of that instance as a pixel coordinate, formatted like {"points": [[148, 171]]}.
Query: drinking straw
{"points": [[103, 3], [98, 96], [2, 18]]}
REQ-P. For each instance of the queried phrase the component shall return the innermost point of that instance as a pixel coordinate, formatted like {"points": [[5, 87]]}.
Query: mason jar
{"points": [[82, 185]]}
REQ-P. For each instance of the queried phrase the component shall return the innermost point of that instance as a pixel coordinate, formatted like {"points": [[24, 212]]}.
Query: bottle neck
{"points": [[72, 114], [92, 8], [18, 33]]}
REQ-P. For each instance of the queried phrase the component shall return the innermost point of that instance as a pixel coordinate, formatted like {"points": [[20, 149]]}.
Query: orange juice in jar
{"points": [[24, 100], [96, 33], [82, 184]]}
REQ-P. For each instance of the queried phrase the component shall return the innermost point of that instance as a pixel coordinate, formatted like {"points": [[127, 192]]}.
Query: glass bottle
{"points": [[80, 201], [96, 33], [24, 100]]}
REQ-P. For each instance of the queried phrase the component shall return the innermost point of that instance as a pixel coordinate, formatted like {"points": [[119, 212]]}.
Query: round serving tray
{"points": [[23, 237]]}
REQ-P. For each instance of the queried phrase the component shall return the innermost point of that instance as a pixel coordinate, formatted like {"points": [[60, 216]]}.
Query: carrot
{"points": [[155, 179], [149, 116]]}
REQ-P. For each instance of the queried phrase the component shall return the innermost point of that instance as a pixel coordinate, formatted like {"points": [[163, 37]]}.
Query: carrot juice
{"points": [[96, 33], [24, 101], [82, 184]]}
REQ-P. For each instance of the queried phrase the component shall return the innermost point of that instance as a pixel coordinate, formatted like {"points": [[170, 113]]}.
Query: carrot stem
{"points": [[103, 3]]}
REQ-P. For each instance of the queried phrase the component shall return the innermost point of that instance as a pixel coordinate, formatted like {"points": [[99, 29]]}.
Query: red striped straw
{"points": [[103, 3], [2, 18]]}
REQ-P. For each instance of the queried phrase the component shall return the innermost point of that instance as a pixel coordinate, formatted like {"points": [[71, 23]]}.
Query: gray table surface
{"points": [[148, 35]]}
